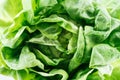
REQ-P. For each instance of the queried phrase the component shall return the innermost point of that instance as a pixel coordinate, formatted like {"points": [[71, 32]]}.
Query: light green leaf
{"points": [[102, 55], [7, 14]]}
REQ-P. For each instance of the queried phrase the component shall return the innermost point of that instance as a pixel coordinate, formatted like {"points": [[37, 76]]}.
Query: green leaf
{"points": [[94, 76], [46, 41], [7, 15], [115, 72], [80, 9], [72, 44], [102, 20], [54, 72], [50, 31], [82, 74], [102, 55], [46, 59], [26, 59], [14, 39], [76, 60], [65, 24]]}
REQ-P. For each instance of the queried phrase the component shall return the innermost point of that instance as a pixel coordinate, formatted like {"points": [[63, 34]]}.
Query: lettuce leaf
{"points": [[60, 39]]}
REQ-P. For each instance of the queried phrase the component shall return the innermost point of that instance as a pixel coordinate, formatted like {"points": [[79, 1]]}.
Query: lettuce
{"points": [[60, 39]]}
